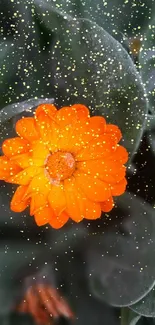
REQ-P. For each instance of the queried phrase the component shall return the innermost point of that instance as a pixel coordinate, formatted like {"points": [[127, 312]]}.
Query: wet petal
{"points": [[97, 125], [82, 207], [107, 205], [93, 210], [103, 146], [18, 203], [82, 111], [75, 204], [94, 189], [50, 134], [25, 176], [87, 208], [66, 116], [58, 222], [39, 153], [40, 184], [14, 146], [43, 215], [8, 168], [23, 160], [74, 137], [48, 109], [74, 122], [26, 128], [38, 200], [114, 131], [57, 199], [120, 154], [110, 171], [119, 188], [48, 129]]}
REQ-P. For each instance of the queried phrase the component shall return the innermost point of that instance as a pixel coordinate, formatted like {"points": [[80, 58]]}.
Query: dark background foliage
{"points": [[45, 53]]}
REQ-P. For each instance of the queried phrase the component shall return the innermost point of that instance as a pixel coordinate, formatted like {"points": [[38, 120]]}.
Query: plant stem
{"points": [[124, 316]]}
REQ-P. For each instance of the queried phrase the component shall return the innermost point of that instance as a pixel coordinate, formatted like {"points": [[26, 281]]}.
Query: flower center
{"points": [[60, 165]]}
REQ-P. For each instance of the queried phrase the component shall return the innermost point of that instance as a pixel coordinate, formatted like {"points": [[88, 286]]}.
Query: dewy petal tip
{"points": [[73, 165]]}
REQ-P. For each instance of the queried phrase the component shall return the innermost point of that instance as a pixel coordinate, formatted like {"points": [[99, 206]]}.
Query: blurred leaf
{"points": [[24, 65], [15, 258], [73, 284], [121, 266], [10, 54], [147, 63], [128, 317], [146, 306], [116, 15], [15, 319], [91, 67]]}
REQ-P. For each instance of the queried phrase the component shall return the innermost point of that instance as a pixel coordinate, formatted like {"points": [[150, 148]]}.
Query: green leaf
{"points": [[16, 319], [9, 59], [120, 260], [129, 17], [146, 306], [91, 67], [128, 317], [16, 257], [24, 64], [147, 63]]}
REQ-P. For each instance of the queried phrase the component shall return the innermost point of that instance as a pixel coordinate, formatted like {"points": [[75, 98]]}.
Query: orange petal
{"points": [[71, 114], [75, 205], [119, 188], [25, 160], [97, 125], [93, 210], [94, 189], [38, 200], [57, 199], [14, 146], [66, 116], [84, 131], [82, 206], [40, 184], [103, 146], [7, 168], [110, 171], [18, 203], [39, 153], [114, 131], [58, 222], [25, 176], [73, 137], [43, 215], [48, 130], [32, 158], [74, 122], [26, 128], [107, 205], [120, 154], [63, 139], [48, 109], [82, 111]]}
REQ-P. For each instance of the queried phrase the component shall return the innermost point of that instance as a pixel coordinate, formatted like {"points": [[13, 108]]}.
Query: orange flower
{"points": [[66, 163]]}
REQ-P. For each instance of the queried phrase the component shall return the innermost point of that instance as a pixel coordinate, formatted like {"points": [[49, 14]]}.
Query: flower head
{"points": [[66, 163]]}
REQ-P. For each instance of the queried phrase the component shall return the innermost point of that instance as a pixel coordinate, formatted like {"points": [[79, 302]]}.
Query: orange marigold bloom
{"points": [[66, 163]]}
